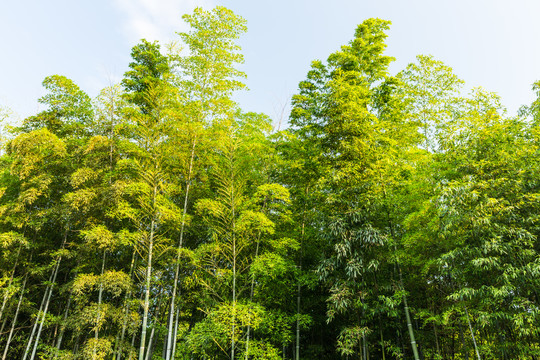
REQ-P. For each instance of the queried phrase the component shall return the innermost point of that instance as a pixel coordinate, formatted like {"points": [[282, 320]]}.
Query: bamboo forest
{"points": [[393, 216]]}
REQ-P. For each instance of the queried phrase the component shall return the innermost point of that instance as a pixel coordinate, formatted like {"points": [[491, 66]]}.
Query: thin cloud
{"points": [[156, 19]]}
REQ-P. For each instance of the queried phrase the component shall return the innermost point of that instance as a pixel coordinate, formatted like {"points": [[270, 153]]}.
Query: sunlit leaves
{"points": [[114, 282]]}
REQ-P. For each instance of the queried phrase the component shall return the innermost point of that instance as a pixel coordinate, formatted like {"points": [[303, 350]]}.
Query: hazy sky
{"points": [[491, 43]]}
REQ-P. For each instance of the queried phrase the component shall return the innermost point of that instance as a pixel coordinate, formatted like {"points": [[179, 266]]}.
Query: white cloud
{"points": [[156, 19]]}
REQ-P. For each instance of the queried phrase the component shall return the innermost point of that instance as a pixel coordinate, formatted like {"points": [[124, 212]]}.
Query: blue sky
{"points": [[494, 44]]}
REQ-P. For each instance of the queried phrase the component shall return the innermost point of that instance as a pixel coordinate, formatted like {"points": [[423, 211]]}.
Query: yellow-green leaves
{"points": [[213, 335], [113, 282], [208, 74], [34, 150], [10, 239], [99, 237], [69, 110], [431, 92], [97, 349]]}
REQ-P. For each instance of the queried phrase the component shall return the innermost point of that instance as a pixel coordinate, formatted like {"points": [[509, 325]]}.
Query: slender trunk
{"points": [[364, 347], [367, 351], [148, 271], [234, 267], [52, 335], [149, 351], [472, 334], [3, 325], [147, 291], [34, 327], [298, 298], [100, 296], [117, 344], [252, 288], [157, 314], [6, 349], [233, 297], [299, 288], [165, 340], [45, 310], [175, 333], [251, 291], [126, 311], [409, 324], [76, 344], [45, 295], [62, 328], [170, 330], [407, 314], [364, 340]]}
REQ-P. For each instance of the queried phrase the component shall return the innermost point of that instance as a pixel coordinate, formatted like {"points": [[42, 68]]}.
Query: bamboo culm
{"points": [[169, 348], [6, 349], [472, 334], [45, 311], [62, 328]]}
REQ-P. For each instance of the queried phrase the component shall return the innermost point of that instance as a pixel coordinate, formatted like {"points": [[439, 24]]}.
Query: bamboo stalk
{"points": [[472, 334], [175, 333], [62, 328], [100, 294], [147, 290], [6, 349], [126, 310], [169, 351], [251, 291], [34, 327], [45, 310]]}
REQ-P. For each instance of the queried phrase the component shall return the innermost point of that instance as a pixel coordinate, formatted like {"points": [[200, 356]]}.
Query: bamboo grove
{"points": [[397, 217]]}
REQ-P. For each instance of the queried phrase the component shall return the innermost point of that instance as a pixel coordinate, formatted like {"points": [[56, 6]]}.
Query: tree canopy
{"points": [[396, 217]]}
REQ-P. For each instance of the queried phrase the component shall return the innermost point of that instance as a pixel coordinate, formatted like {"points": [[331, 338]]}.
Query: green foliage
{"points": [[159, 218], [208, 74], [69, 110], [149, 66], [430, 90]]}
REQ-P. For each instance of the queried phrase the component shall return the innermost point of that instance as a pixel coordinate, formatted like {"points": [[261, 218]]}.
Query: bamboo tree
{"points": [[42, 161], [153, 210], [145, 90], [150, 242], [118, 353], [206, 81], [233, 228]]}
